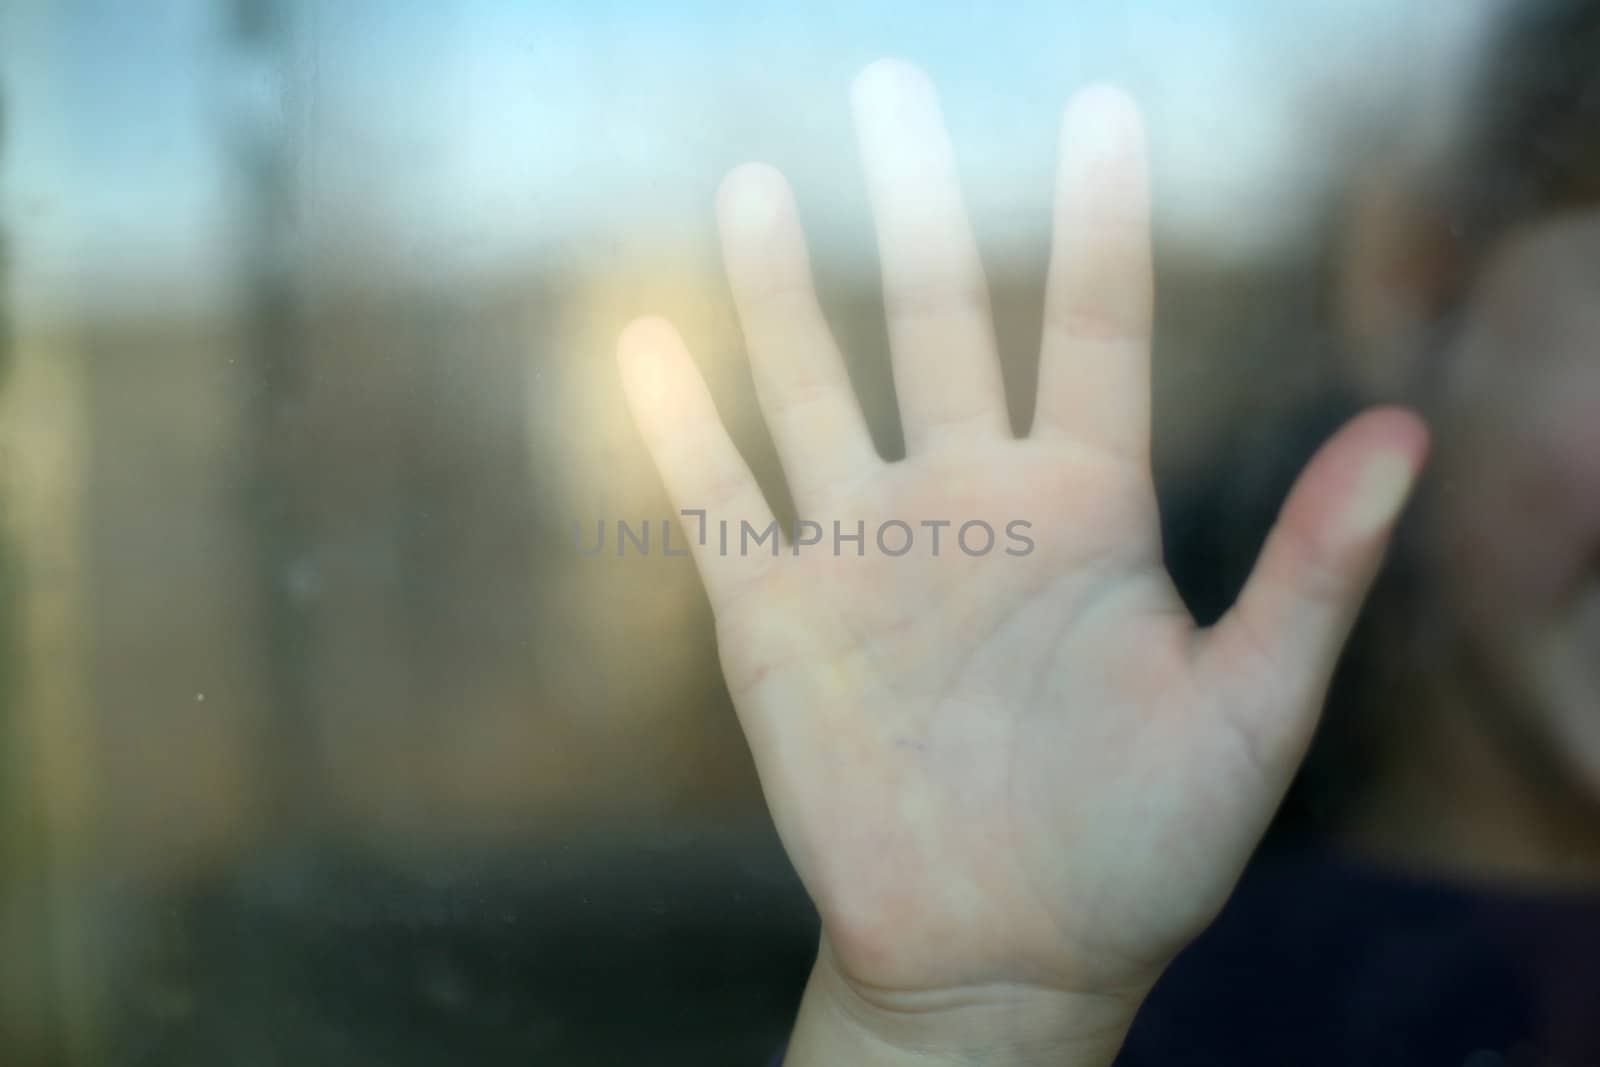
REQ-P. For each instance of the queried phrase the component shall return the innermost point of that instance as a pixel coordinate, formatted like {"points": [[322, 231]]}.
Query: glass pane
{"points": [[362, 700]]}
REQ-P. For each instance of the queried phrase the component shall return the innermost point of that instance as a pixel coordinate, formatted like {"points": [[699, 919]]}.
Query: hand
{"points": [[999, 773]]}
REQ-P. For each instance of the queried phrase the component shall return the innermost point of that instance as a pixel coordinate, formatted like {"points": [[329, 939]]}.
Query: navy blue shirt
{"points": [[1321, 962]]}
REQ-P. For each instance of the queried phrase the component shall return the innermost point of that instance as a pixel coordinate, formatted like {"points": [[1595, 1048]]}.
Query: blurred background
{"points": [[319, 740]]}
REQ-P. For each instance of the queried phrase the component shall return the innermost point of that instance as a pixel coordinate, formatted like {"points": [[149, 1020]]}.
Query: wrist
{"points": [[997, 1026]]}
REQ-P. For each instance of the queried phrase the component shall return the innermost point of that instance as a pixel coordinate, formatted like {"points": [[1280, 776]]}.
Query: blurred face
{"points": [[1514, 523]]}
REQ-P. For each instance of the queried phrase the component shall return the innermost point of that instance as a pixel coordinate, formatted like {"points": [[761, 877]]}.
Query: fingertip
{"points": [[1358, 483], [643, 347], [1107, 101], [1395, 446], [1101, 122], [1393, 436], [752, 199], [886, 86], [644, 337], [1396, 429]]}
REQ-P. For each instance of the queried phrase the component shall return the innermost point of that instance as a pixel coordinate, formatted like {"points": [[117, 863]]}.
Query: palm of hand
{"points": [[999, 768], [927, 723]]}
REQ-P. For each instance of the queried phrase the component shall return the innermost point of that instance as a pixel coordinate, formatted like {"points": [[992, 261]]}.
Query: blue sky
{"points": [[479, 135]]}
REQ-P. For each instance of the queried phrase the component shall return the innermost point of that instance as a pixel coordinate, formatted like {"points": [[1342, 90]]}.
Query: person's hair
{"points": [[1530, 150], [1531, 144]]}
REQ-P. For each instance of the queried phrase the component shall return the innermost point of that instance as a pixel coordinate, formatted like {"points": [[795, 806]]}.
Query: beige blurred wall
{"points": [[469, 678]]}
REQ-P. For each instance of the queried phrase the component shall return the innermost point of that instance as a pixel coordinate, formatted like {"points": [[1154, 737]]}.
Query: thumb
{"points": [[1272, 655]]}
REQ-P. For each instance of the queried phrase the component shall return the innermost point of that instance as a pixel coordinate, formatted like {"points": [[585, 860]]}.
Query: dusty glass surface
{"points": [[361, 703]]}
